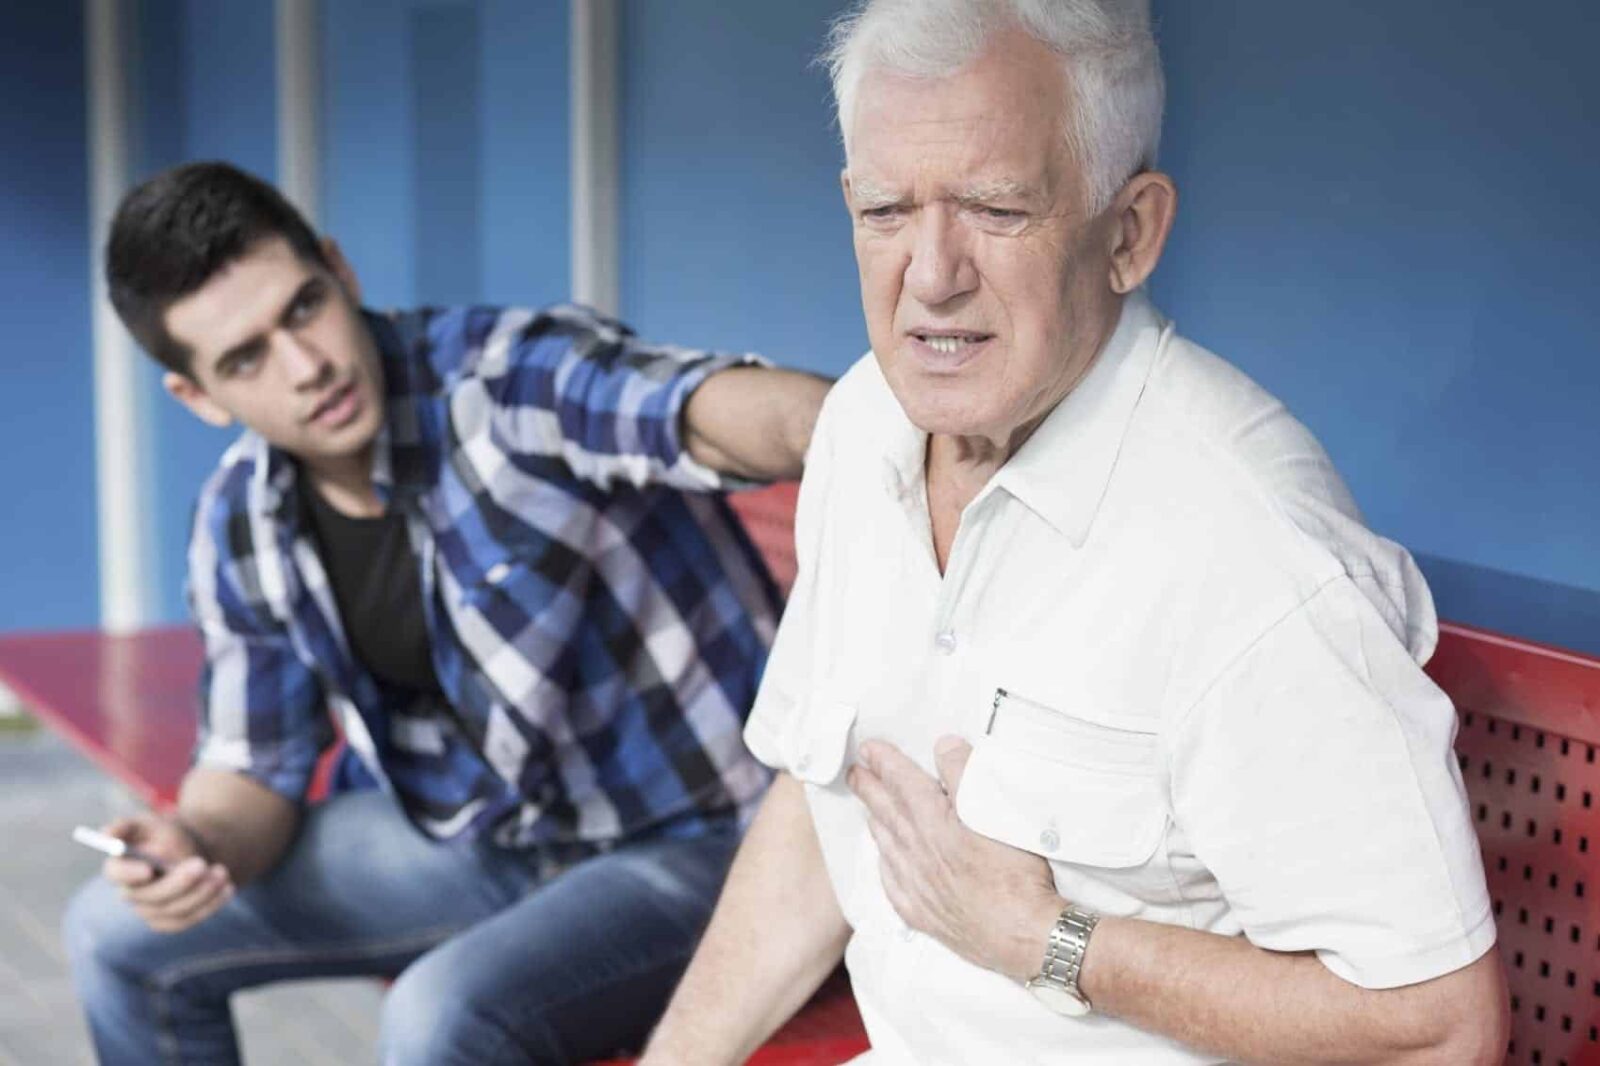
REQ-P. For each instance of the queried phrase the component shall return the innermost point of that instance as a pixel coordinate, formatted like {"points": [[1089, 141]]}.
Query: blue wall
{"points": [[1388, 219], [1384, 219], [445, 128], [49, 569], [734, 231]]}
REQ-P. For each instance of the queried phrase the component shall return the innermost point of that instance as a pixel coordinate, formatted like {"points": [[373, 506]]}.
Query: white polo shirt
{"points": [[1190, 675]]}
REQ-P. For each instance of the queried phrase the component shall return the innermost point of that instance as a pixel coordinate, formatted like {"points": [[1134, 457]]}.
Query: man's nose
{"points": [[307, 366], [941, 266]]}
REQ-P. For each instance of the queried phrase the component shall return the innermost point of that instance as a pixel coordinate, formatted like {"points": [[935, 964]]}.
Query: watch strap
{"points": [[1064, 954]]}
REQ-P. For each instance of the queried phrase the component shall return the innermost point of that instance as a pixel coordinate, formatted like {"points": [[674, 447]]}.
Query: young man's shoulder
{"points": [[227, 495]]}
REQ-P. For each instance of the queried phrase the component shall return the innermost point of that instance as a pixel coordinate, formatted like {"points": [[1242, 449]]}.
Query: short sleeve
{"points": [[262, 711], [785, 683], [1316, 780]]}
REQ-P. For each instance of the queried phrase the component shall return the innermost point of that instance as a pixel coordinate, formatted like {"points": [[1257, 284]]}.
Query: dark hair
{"points": [[172, 233]]}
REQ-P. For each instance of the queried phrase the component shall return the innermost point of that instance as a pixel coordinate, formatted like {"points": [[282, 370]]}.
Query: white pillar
{"points": [[594, 169], [126, 516], [299, 56]]}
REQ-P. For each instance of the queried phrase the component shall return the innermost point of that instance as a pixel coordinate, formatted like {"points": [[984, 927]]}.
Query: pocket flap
{"points": [[817, 741], [1068, 812]]}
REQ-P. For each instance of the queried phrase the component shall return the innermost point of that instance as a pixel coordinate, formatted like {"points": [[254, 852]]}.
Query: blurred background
{"points": [[1387, 218]]}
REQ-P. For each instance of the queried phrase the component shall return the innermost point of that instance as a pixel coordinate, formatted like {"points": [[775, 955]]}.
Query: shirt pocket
{"points": [[1078, 792]]}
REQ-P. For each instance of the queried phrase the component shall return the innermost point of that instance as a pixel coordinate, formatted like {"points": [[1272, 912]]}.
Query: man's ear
{"points": [[341, 268], [187, 391], [1141, 216]]}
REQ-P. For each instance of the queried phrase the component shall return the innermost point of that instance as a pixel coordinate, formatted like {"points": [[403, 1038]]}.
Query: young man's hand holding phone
{"points": [[161, 871]]}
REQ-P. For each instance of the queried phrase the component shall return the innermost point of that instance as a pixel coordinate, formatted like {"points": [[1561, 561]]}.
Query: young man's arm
{"points": [[754, 422], [264, 721], [627, 410], [776, 933], [228, 830]]}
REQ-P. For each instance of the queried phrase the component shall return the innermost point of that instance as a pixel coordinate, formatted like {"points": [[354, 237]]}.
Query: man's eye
{"points": [[1001, 214], [243, 363], [882, 214], [305, 305]]}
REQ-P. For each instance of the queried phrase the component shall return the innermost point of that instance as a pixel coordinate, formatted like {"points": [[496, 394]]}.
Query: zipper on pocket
{"points": [[994, 709]]}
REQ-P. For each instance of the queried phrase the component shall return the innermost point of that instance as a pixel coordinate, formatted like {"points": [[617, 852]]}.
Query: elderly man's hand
{"points": [[990, 903]]}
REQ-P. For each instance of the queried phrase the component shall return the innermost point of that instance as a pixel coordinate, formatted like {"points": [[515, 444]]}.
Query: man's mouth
{"points": [[337, 408], [950, 341]]}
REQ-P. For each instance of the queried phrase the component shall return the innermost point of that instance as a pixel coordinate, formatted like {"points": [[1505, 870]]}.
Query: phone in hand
{"points": [[116, 848]]}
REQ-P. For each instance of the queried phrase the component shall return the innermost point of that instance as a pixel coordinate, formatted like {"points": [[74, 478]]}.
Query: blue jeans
{"points": [[499, 956]]}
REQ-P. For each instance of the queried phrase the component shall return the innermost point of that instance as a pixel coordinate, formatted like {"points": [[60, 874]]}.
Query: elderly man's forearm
{"points": [[1227, 996]]}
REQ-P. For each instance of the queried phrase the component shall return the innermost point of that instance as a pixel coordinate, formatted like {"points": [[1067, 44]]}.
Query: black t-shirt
{"points": [[376, 584]]}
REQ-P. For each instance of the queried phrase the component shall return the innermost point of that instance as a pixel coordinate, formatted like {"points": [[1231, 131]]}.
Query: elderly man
{"points": [[1099, 712]]}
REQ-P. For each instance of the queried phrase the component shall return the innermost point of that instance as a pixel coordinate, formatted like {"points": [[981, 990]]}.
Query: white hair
{"points": [[1108, 52]]}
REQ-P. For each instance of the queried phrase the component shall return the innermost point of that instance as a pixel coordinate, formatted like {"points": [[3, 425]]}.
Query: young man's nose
{"points": [[308, 366]]}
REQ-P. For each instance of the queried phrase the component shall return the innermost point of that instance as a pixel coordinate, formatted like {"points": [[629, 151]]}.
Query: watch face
{"points": [[1059, 999]]}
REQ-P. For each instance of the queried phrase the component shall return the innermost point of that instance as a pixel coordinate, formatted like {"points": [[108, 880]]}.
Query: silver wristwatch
{"points": [[1056, 984]]}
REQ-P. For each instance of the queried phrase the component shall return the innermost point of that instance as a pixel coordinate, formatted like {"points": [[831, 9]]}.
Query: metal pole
{"points": [[127, 585], [594, 174], [299, 105]]}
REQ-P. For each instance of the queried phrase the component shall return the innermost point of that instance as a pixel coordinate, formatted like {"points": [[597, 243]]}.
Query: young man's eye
{"points": [[306, 304], [243, 363]]}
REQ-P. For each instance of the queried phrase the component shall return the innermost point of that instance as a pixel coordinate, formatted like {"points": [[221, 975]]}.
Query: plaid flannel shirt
{"points": [[599, 620]]}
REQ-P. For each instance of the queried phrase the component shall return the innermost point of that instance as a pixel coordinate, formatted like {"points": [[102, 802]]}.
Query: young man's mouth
{"points": [[342, 406]]}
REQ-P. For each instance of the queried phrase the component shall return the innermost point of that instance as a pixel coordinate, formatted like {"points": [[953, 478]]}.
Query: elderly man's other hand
{"points": [[988, 902]]}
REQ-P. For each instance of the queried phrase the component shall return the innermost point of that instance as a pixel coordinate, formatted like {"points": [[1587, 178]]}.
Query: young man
{"points": [[486, 539]]}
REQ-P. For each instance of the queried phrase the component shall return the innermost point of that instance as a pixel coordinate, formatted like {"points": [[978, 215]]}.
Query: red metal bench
{"points": [[1530, 728]]}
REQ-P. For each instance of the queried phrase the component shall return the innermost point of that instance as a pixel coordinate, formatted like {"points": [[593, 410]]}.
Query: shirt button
{"points": [[1049, 841], [906, 933], [946, 641], [802, 764]]}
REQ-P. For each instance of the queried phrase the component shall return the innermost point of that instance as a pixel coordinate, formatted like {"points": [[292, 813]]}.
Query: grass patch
{"points": [[18, 723]]}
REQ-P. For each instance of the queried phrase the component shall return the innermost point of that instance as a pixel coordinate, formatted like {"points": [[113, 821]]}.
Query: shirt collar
{"points": [[1061, 472]]}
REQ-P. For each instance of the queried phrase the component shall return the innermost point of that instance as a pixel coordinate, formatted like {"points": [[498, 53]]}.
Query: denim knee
{"points": [[100, 932], [430, 1015]]}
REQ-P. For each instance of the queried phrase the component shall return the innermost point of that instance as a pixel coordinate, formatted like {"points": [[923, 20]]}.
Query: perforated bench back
{"points": [[1530, 724]]}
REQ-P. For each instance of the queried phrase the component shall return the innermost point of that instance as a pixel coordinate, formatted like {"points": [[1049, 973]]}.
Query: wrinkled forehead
{"points": [[992, 127]]}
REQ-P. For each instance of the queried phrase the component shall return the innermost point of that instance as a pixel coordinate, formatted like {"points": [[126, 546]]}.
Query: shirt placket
{"points": [[945, 664], [953, 640]]}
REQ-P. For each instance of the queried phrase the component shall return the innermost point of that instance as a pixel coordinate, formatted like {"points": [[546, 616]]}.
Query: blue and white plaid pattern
{"points": [[599, 618]]}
